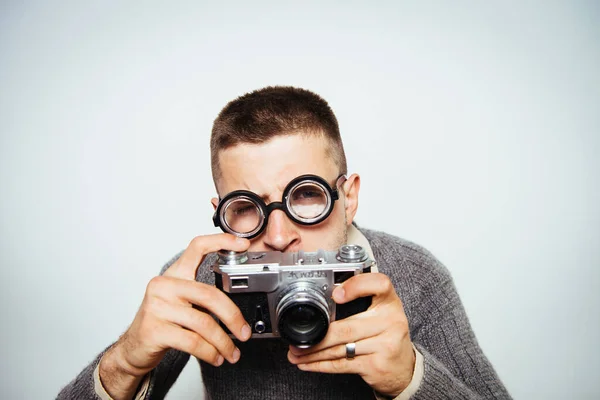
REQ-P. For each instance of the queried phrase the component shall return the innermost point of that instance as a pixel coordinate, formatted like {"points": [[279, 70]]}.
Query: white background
{"points": [[475, 127]]}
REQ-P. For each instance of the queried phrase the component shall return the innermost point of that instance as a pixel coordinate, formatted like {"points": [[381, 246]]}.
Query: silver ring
{"points": [[350, 350]]}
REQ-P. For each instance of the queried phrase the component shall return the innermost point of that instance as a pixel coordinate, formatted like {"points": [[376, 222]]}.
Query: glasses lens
{"points": [[242, 215], [309, 201]]}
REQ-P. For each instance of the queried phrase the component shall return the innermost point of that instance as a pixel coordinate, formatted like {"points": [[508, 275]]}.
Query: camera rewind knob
{"points": [[352, 253]]}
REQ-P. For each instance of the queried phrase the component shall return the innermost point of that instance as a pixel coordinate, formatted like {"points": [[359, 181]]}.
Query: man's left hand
{"points": [[384, 355]]}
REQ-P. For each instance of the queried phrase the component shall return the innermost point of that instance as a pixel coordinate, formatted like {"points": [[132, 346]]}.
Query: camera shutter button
{"points": [[232, 257]]}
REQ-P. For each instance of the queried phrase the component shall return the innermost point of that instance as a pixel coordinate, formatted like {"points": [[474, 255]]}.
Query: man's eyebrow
{"points": [[263, 196]]}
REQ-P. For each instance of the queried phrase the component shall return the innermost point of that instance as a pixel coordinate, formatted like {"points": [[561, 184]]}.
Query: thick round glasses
{"points": [[307, 200]]}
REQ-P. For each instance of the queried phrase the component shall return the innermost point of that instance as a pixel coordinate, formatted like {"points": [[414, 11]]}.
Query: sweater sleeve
{"points": [[455, 366], [161, 378], [83, 386]]}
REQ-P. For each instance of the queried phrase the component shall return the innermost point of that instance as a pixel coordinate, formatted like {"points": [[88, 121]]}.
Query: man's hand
{"points": [[166, 320], [384, 354]]}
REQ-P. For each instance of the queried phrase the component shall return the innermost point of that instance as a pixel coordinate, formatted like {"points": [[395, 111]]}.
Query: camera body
{"points": [[288, 295]]}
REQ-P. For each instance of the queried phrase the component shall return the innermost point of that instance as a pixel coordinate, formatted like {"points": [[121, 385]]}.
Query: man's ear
{"points": [[215, 202], [351, 189]]}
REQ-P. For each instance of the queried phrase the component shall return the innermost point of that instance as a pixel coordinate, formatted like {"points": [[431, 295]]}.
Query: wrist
{"points": [[405, 380], [117, 377], [416, 378], [122, 363]]}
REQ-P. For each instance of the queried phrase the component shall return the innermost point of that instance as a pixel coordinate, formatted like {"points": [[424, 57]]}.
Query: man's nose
{"points": [[281, 233]]}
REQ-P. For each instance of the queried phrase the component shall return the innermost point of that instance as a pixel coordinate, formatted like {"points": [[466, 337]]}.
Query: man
{"points": [[414, 341]]}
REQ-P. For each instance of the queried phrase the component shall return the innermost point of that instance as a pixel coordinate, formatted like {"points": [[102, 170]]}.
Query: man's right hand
{"points": [[166, 320]]}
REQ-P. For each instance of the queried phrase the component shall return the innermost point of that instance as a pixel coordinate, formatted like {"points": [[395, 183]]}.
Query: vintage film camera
{"points": [[288, 295]]}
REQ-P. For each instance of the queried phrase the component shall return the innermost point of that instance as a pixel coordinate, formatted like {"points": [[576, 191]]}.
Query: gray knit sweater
{"points": [[455, 366]]}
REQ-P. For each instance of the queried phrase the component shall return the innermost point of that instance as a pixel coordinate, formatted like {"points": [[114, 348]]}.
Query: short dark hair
{"points": [[273, 111]]}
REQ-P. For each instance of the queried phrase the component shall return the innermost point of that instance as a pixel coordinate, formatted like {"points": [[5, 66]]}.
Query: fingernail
{"points": [[246, 332], [339, 293], [220, 360], [240, 240], [290, 355], [236, 355]]}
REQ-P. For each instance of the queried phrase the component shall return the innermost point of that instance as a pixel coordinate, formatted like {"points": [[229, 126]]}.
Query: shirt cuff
{"points": [[415, 382], [103, 394]]}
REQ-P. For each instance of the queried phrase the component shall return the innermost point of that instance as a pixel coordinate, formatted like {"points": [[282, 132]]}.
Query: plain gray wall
{"points": [[474, 125]]}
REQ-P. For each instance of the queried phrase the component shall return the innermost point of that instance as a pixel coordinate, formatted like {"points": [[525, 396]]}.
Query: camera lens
{"points": [[303, 319], [303, 324], [302, 316]]}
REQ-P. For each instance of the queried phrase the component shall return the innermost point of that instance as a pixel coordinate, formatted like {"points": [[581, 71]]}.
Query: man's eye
{"points": [[243, 210], [308, 194]]}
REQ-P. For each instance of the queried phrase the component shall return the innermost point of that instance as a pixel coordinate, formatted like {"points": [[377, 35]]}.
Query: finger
{"points": [[187, 292], [362, 347], [186, 266], [203, 324], [172, 336], [347, 330], [339, 366], [372, 284]]}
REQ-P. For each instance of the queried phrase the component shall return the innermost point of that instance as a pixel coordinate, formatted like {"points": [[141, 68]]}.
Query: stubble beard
{"points": [[342, 235]]}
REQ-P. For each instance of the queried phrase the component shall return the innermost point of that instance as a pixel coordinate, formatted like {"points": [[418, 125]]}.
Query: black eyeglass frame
{"points": [[266, 209]]}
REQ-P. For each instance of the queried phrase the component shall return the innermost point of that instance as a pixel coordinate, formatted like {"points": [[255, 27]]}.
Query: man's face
{"points": [[267, 168]]}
